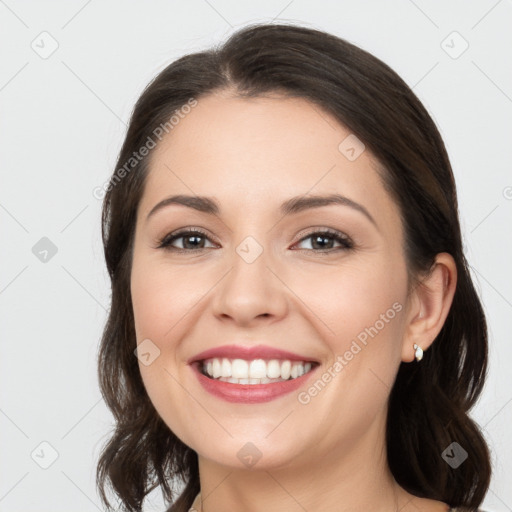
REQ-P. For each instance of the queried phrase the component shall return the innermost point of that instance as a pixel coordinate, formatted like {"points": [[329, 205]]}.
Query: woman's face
{"points": [[260, 275]]}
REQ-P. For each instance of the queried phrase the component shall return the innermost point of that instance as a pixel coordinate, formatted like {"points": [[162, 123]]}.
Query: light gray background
{"points": [[62, 121]]}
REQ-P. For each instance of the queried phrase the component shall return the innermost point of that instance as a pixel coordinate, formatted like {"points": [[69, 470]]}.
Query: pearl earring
{"points": [[418, 352]]}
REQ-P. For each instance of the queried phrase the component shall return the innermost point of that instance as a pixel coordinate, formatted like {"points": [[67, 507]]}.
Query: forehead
{"points": [[249, 152]]}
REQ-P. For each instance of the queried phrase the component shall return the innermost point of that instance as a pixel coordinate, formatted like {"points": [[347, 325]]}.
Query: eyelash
{"points": [[345, 241]]}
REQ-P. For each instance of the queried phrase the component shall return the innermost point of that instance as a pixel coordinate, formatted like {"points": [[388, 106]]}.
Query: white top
{"points": [[196, 505]]}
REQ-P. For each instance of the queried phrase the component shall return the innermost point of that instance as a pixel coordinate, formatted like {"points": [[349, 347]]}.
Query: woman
{"points": [[283, 241]]}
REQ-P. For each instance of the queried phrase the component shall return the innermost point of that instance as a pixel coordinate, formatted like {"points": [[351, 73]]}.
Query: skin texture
{"points": [[251, 155]]}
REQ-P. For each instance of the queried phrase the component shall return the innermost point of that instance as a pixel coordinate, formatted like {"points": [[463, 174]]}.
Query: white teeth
{"points": [[273, 369], [239, 369], [226, 368], [286, 368], [257, 371], [217, 372]]}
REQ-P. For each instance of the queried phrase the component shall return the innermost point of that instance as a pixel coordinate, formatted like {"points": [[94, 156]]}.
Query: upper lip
{"points": [[248, 353]]}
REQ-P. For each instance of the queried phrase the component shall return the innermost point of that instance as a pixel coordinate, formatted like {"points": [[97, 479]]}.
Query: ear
{"points": [[429, 305]]}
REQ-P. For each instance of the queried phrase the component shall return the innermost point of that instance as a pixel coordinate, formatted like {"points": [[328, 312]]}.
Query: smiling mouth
{"points": [[255, 371]]}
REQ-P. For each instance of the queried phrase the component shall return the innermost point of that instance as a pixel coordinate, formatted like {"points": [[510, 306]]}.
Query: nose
{"points": [[250, 293]]}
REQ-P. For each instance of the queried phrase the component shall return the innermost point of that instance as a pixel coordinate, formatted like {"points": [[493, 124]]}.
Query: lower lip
{"points": [[249, 393]]}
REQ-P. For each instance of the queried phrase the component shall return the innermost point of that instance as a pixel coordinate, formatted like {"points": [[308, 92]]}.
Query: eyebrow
{"points": [[291, 206]]}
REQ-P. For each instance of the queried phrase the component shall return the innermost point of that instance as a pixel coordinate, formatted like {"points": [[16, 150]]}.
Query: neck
{"points": [[354, 477]]}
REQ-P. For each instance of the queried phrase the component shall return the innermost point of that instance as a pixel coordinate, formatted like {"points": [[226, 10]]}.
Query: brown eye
{"points": [[322, 241], [193, 240]]}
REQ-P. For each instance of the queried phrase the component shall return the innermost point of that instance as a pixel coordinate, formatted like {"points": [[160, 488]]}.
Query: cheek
{"points": [[157, 309], [364, 307], [161, 297], [150, 297], [360, 302], [160, 304]]}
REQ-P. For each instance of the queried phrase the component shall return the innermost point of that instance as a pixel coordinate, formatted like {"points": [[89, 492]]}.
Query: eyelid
{"points": [[342, 238], [164, 242], [321, 229]]}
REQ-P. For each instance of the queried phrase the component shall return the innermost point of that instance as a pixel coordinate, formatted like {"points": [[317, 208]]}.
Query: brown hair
{"points": [[429, 402]]}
